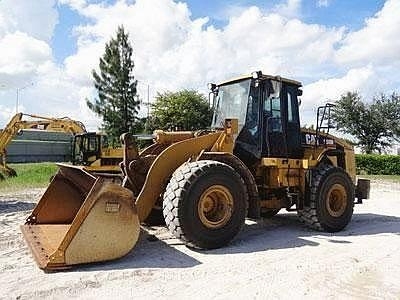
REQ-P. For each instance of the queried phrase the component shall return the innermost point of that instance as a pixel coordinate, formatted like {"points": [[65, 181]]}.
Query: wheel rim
{"points": [[215, 206], [337, 200]]}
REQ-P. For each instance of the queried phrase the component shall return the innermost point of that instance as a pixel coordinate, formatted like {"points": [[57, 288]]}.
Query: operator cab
{"points": [[87, 148], [267, 109]]}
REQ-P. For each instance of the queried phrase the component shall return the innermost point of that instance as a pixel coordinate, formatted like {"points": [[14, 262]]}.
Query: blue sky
{"points": [[63, 41], [49, 48], [335, 13]]}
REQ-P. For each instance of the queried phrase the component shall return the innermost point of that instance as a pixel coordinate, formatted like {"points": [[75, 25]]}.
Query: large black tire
{"points": [[331, 200], [205, 204]]}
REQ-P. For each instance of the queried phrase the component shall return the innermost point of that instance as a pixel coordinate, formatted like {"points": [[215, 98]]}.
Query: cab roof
{"points": [[263, 77]]}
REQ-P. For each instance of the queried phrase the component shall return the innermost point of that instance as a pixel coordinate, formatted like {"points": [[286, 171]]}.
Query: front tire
{"points": [[205, 204], [331, 200]]}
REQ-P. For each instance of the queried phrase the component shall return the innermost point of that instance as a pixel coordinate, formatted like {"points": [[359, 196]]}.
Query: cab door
{"points": [[292, 134], [281, 126], [274, 142]]}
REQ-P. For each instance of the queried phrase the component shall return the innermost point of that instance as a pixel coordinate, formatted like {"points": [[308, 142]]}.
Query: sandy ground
{"points": [[276, 258]]}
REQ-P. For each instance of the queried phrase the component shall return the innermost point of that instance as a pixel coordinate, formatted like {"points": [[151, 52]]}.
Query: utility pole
{"points": [[146, 103], [20, 89], [148, 108]]}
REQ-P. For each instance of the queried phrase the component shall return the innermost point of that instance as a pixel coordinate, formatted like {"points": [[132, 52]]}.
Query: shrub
{"points": [[373, 164]]}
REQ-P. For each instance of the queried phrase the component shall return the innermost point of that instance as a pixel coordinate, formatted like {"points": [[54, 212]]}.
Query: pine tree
{"points": [[117, 102]]}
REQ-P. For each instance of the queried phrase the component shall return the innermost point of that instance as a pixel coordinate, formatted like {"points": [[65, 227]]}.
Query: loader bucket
{"points": [[81, 219]]}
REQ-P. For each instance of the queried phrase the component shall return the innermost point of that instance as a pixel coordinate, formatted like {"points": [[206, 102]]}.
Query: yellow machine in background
{"points": [[253, 162], [90, 149], [39, 123]]}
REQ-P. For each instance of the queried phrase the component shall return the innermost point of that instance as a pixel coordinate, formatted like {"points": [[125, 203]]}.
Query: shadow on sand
{"points": [[147, 253], [284, 231], [15, 206]]}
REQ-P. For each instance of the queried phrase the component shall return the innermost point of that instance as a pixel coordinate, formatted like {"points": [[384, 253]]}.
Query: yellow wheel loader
{"points": [[254, 161]]}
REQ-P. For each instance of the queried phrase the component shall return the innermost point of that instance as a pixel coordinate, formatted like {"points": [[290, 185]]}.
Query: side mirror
{"points": [[212, 86], [256, 74], [212, 94], [211, 98], [299, 92]]}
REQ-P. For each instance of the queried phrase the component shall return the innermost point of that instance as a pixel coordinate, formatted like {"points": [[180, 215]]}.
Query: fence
{"points": [[38, 146]]}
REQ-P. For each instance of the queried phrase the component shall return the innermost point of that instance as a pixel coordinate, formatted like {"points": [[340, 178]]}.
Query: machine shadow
{"points": [[284, 231], [149, 252], [13, 206]]}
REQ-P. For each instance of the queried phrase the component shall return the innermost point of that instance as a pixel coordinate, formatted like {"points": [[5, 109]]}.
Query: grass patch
{"points": [[29, 175], [37, 175]]}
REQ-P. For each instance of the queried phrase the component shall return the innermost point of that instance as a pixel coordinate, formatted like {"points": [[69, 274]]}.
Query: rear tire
{"points": [[331, 200], [205, 204]]}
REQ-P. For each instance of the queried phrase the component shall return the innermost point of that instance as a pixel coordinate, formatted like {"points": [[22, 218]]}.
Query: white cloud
{"points": [[22, 54], [36, 18], [26, 27], [5, 114], [79, 66], [172, 50], [369, 81], [328, 90], [289, 8], [53, 94], [377, 42], [323, 3]]}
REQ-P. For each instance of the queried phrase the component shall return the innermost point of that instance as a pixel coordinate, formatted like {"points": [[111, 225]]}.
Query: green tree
{"points": [[117, 102], [375, 125], [182, 110]]}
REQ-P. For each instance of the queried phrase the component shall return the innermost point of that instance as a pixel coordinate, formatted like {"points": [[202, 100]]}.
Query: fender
{"points": [[331, 152], [165, 164]]}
